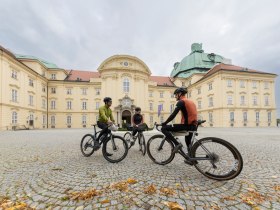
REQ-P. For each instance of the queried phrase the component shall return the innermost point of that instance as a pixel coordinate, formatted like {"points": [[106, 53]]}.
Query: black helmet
{"points": [[137, 109], [107, 99], [181, 90]]}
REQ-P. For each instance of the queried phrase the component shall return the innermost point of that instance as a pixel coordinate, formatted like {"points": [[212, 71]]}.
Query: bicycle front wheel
{"points": [[142, 144], [222, 161], [115, 149], [87, 144], [160, 149]]}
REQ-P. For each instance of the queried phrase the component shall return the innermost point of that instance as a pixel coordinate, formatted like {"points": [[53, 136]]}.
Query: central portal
{"points": [[126, 118]]}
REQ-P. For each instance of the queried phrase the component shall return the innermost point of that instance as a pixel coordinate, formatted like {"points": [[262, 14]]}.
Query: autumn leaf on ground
{"points": [[276, 187], [228, 198], [252, 197], [215, 207], [167, 191], [84, 195], [57, 169], [121, 186], [151, 189], [173, 205], [131, 181], [105, 201]]}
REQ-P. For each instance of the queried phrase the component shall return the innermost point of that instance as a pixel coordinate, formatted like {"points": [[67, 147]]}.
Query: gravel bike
{"points": [[141, 139], [215, 158], [114, 147]]}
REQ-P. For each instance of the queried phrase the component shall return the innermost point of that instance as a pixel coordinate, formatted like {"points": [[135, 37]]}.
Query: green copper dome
{"points": [[196, 62], [45, 63]]}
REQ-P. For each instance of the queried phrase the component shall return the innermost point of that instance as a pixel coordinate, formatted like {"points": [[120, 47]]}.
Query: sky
{"points": [[82, 34]]}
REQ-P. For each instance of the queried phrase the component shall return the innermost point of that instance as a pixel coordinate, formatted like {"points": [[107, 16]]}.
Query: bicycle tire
{"points": [[108, 148], [223, 149], [128, 137], [142, 144], [155, 155], [90, 140]]}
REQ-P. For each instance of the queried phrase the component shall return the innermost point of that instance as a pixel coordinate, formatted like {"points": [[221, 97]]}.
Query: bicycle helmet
{"points": [[181, 90], [107, 99], [137, 109]]}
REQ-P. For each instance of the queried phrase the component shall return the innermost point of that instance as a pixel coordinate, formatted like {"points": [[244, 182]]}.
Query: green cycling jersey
{"points": [[105, 113]]}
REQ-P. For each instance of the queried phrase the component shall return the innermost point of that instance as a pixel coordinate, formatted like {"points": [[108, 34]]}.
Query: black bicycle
{"points": [[215, 158], [114, 147], [141, 139]]}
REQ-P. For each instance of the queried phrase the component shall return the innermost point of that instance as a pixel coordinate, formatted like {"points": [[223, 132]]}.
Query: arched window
{"points": [[126, 85], [14, 117]]}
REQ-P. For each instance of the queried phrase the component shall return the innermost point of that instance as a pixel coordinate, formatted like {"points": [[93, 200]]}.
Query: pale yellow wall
{"points": [[112, 73]]}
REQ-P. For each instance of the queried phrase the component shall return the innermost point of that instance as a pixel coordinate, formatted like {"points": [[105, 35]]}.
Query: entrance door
{"points": [[126, 118]]}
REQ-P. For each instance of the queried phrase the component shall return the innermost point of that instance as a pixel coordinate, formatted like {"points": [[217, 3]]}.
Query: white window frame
{"points": [[84, 91], [43, 103], [30, 100], [269, 117], [52, 120], [14, 117], [229, 100], [266, 100], [199, 104], [257, 117], [53, 90], [53, 104], [242, 100], [161, 94], [14, 95], [69, 91], [210, 87], [255, 100], [229, 83], [231, 116], [150, 94], [210, 117], [151, 106], [266, 85], [126, 84], [211, 104], [97, 105], [254, 84], [14, 74], [69, 105], [69, 120], [53, 76], [84, 119], [242, 83], [31, 82], [245, 116]]}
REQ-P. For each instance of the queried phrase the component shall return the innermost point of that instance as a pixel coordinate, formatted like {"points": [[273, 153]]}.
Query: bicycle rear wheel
{"points": [[115, 149], [87, 144], [160, 149], [128, 137], [142, 144], [224, 163]]}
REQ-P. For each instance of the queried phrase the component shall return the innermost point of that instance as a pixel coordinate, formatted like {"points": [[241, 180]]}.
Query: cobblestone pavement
{"points": [[42, 167]]}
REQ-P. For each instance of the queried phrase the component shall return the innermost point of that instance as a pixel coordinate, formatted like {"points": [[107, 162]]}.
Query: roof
{"points": [[45, 63], [162, 81], [196, 62], [77, 75], [230, 68]]}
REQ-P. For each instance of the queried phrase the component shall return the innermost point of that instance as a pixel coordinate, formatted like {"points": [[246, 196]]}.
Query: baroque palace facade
{"points": [[38, 94]]}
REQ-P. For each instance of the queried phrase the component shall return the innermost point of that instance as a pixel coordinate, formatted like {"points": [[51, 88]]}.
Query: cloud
{"points": [[81, 35]]}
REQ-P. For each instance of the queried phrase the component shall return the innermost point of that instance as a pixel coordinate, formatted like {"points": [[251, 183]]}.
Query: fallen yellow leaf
{"points": [[173, 205]]}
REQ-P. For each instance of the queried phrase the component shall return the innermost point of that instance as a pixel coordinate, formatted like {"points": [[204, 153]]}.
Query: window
{"points": [[210, 117], [151, 119], [97, 91], [210, 101], [43, 103], [30, 100], [69, 104], [84, 119], [14, 74], [199, 104], [84, 91], [229, 100], [69, 91], [229, 83], [53, 76], [14, 117], [254, 84], [190, 94], [231, 116], [171, 108], [69, 119], [97, 105], [43, 88], [242, 100], [245, 119], [31, 82], [126, 85], [242, 83], [210, 86], [53, 90], [151, 106], [53, 120], [269, 117], [84, 105], [161, 94], [14, 95], [198, 91], [257, 117], [53, 104], [150, 94], [255, 100], [266, 85], [44, 120], [266, 100]]}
